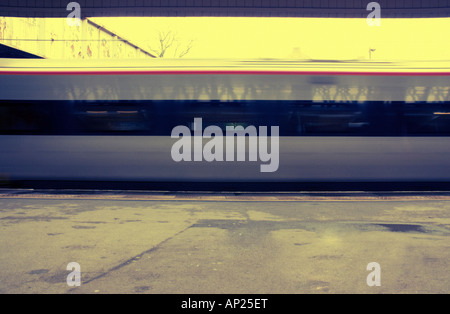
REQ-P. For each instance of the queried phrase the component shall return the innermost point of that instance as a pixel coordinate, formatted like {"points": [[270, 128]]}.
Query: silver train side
{"points": [[329, 106]]}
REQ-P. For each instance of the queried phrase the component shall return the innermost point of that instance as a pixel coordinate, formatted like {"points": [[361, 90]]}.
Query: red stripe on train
{"points": [[222, 73]]}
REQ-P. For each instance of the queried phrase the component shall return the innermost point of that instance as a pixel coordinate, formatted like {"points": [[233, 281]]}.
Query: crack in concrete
{"points": [[134, 258]]}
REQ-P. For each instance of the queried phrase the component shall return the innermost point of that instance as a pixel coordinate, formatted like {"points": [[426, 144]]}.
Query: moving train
{"points": [[161, 122]]}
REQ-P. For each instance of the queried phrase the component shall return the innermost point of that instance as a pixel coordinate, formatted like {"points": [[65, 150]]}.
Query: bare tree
{"points": [[169, 41]]}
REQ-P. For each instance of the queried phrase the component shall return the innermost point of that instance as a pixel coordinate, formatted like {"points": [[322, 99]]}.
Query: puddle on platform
{"points": [[404, 228], [317, 226]]}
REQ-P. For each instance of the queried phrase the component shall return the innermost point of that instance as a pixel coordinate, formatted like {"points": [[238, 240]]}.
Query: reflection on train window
{"points": [[294, 118], [110, 117]]}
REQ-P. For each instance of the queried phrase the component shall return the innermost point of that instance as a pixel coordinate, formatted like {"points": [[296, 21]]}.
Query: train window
{"points": [[110, 117], [28, 117], [316, 118], [301, 118], [435, 120]]}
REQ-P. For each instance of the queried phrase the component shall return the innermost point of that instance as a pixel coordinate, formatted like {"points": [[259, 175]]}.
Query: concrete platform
{"points": [[157, 242]]}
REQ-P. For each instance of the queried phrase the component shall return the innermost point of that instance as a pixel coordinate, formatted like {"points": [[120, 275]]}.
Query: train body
{"points": [[114, 121]]}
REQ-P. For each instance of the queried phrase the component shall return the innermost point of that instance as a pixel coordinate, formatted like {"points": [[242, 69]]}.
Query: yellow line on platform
{"points": [[228, 198]]}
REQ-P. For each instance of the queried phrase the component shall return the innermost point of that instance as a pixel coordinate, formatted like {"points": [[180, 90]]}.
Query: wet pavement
{"points": [[224, 243]]}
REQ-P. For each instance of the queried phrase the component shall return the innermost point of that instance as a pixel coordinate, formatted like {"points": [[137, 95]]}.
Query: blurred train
{"points": [[110, 122]]}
